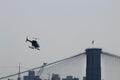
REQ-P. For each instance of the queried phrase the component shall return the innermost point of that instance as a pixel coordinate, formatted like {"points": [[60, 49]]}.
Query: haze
{"points": [[63, 27]]}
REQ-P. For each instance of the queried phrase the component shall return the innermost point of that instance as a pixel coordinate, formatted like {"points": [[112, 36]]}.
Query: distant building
{"points": [[31, 76], [84, 78], [55, 77], [70, 78]]}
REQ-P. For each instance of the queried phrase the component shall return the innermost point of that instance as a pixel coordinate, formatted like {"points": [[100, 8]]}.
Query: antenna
{"points": [[19, 73]]}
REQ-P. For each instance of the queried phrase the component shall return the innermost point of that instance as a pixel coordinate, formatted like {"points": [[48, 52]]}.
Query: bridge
{"points": [[93, 64]]}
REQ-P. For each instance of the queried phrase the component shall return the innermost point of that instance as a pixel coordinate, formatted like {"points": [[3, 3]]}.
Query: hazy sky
{"points": [[64, 28]]}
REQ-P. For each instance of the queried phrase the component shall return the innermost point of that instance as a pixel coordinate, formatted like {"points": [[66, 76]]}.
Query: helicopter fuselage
{"points": [[34, 43]]}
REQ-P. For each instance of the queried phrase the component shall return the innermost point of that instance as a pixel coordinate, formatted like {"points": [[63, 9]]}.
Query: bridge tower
{"points": [[93, 62]]}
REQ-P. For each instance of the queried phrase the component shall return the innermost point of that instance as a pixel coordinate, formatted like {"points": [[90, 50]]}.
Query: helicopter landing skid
{"points": [[32, 47]]}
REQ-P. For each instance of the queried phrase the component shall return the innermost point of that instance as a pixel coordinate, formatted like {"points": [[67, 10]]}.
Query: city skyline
{"points": [[92, 62]]}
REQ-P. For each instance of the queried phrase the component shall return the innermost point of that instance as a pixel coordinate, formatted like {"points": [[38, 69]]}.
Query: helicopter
{"points": [[34, 43]]}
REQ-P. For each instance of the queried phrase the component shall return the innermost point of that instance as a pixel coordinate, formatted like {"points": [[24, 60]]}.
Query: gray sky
{"points": [[64, 28]]}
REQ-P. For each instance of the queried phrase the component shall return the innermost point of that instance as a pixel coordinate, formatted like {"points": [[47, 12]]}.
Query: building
{"points": [[93, 70], [70, 78], [55, 77], [31, 76], [84, 78]]}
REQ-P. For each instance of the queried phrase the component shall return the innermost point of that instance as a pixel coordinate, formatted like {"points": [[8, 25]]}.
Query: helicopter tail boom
{"points": [[28, 39]]}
